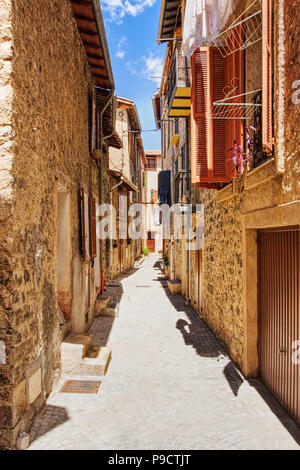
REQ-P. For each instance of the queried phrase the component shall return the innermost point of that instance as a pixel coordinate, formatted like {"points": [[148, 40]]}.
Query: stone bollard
{"points": [[22, 441]]}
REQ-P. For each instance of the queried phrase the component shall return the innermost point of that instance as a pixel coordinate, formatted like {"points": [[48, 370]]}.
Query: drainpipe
{"points": [[111, 240], [101, 180], [188, 185]]}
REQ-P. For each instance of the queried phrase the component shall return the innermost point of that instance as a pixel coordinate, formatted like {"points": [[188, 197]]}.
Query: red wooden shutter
{"points": [[208, 135], [235, 77], [218, 126], [199, 129], [267, 78], [83, 232], [92, 226]]}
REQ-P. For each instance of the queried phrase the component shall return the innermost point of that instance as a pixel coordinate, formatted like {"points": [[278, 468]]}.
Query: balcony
{"points": [[179, 88]]}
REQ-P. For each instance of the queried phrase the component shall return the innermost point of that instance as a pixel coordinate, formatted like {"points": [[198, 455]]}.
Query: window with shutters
{"points": [[235, 127], [208, 136], [232, 100], [85, 228], [92, 227]]}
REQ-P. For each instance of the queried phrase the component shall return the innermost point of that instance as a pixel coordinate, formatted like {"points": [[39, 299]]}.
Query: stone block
{"points": [[65, 330], [73, 350], [35, 385], [13, 404], [174, 286], [108, 312], [97, 361], [101, 303], [82, 340]]}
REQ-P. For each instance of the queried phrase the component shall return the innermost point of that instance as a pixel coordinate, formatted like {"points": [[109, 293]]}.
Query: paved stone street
{"points": [[169, 386]]}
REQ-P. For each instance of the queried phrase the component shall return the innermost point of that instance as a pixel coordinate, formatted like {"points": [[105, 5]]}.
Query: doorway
{"points": [[279, 315], [198, 280], [64, 296]]}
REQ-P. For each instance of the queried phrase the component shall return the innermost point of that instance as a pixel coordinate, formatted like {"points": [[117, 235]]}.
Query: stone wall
{"points": [[45, 82], [265, 197]]}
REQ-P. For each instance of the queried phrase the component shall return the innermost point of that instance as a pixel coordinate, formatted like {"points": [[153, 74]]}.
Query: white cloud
{"points": [[154, 68], [121, 48], [117, 9], [150, 67]]}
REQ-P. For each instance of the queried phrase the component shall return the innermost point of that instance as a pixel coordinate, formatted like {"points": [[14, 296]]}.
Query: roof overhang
{"points": [[143, 158], [153, 153], [132, 113], [115, 141], [157, 110], [109, 118], [170, 19], [125, 181], [90, 24]]}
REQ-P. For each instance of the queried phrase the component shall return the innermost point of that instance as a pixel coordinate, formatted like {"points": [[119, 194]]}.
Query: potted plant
{"points": [[166, 259], [165, 262], [97, 154]]}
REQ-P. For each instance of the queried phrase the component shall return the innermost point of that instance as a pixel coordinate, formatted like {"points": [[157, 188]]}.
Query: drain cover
{"points": [[80, 386], [143, 286]]}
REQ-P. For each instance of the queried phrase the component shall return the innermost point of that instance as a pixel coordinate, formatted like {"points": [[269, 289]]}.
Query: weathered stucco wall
{"points": [[44, 106]]}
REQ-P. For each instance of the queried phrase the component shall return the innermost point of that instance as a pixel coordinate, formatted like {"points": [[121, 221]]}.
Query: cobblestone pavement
{"points": [[169, 386]]}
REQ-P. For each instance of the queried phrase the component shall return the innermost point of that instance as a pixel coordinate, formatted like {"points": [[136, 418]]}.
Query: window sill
{"points": [[260, 174]]}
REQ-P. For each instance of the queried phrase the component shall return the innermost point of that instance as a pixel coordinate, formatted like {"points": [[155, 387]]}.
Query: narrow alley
{"points": [[169, 385]]}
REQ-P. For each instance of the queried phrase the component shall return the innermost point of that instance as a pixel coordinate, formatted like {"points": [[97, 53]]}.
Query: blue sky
{"points": [[131, 29]]}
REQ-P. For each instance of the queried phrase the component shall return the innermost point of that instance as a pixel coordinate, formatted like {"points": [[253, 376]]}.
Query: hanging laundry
{"points": [[203, 20]]}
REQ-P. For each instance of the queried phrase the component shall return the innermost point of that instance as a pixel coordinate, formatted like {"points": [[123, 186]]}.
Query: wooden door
{"points": [[279, 311]]}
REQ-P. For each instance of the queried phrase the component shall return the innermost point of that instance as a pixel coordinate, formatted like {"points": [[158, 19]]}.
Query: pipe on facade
{"points": [[188, 184], [111, 95]]}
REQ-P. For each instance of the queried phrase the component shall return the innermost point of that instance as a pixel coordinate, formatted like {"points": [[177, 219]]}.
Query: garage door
{"points": [[279, 312]]}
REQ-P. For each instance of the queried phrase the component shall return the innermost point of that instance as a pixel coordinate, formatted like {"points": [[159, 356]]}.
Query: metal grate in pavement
{"points": [[80, 386]]}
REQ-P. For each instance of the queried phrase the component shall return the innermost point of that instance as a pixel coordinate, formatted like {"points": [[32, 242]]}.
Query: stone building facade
{"points": [[152, 230], [47, 175], [123, 174], [226, 281]]}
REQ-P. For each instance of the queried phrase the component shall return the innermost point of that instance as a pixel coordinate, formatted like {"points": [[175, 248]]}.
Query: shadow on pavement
{"points": [[197, 334], [276, 407], [102, 326], [49, 418]]}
